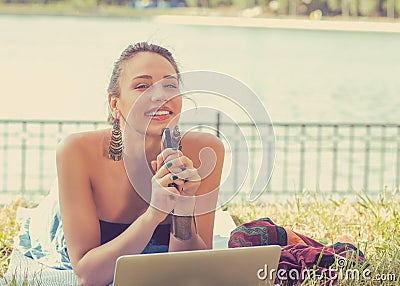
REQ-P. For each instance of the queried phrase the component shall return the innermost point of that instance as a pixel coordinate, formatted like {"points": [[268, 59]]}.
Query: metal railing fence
{"points": [[328, 157]]}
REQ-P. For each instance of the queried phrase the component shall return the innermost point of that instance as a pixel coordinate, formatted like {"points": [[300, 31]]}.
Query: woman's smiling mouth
{"points": [[159, 113]]}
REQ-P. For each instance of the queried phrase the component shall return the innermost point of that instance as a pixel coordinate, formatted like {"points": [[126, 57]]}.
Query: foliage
{"points": [[8, 229], [374, 8]]}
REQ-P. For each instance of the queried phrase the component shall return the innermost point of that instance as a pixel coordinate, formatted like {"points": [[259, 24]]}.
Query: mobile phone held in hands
{"points": [[166, 139], [167, 143]]}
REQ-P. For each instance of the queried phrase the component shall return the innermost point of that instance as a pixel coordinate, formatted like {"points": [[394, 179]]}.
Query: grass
{"points": [[8, 229], [373, 224]]}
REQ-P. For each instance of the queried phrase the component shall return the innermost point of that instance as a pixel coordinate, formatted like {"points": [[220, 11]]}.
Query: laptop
{"points": [[244, 266]]}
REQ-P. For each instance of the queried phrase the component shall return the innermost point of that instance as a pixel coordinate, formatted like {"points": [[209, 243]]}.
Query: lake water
{"points": [[59, 67]]}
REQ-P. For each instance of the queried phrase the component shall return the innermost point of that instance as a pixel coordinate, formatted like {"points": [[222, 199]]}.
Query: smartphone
{"points": [[166, 139], [167, 143]]}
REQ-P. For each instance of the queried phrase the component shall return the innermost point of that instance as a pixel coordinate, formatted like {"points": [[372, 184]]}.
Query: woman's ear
{"points": [[112, 103]]}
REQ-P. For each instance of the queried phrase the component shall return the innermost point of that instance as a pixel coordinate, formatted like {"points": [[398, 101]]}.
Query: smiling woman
{"points": [[99, 212]]}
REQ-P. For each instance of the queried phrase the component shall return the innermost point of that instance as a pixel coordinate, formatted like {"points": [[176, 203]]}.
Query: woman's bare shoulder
{"points": [[82, 142], [199, 140]]}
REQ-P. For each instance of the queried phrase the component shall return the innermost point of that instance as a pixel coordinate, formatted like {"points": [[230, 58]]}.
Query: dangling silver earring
{"points": [[116, 147], [176, 138]]}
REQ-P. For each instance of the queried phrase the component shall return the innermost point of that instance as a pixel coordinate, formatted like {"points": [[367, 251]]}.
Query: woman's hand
{"points": [[183, 174], [163, 196]]}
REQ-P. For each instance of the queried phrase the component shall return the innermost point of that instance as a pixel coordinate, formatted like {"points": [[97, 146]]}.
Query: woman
{"points": [[103, 216]]}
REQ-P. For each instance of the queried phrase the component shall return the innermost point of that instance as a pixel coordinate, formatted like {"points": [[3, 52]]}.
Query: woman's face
{"points": [[149, 94]]}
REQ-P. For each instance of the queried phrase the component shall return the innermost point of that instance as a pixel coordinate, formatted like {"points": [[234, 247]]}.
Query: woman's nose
{"points": [[158, 94]]}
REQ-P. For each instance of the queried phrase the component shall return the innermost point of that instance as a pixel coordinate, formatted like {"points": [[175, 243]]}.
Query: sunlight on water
{"points": [[58, 67]]}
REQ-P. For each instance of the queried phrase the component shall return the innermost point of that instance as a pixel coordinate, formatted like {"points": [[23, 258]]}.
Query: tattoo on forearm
{"points": [[181, 227]]}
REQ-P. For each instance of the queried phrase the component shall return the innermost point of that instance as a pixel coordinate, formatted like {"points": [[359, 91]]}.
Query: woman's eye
{"points": [[142, 86], [170, 85]]}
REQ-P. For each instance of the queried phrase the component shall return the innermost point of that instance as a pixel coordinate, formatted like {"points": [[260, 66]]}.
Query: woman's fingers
{"points": [[174, 192], [162, 157], [154, 165], [176, 175], [176, 165], [169, 179], [189, 175], [164, 170], [182, 162]]}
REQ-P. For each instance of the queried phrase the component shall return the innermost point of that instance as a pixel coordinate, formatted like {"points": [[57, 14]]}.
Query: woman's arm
{"points": [[92, 263], [206, 195]]}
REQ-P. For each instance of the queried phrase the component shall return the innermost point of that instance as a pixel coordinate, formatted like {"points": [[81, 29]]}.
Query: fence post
{"points": [[285, 160], [302, 154], [23, 157], [383, 155], [41, 155], [398, 159], [351, 153], [5, 158], [335, 157], [318, 163], [367, 149], [236, 166], [218, 123]]}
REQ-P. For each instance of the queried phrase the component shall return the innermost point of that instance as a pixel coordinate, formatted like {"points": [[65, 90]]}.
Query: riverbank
{"points": [[206, 17], [301, 24]]}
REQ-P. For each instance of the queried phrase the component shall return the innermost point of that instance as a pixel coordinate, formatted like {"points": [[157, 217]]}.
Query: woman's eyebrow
{"points": [[170, 76], [143, 76], [146, 76]]}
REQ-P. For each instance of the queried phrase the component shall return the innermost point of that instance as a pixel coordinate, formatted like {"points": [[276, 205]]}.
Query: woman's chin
{"points": [[152, 127], [155, 128]]}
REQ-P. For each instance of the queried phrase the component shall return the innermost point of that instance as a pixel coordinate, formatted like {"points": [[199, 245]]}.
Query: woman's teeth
{"points": [[158, 113]]}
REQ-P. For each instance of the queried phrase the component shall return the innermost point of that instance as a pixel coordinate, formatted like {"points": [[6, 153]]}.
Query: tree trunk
{"points": [[380, 9], [345, 8], [390, 8]]}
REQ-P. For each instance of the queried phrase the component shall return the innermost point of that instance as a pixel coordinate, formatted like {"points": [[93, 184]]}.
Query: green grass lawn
{"points": [[373, 225], [8, 229]]}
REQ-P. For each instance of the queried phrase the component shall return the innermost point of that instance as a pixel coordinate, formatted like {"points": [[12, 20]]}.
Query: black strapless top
{"points": [[110, 230]]}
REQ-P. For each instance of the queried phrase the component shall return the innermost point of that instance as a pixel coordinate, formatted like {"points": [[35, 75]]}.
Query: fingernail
{"points": [[174, 177], [169, 164], [183, 168]]}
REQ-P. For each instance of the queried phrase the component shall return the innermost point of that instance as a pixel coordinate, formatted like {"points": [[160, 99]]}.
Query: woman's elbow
{"points": [[86, 280], [89, 278], [82, 281], [83, 278]]}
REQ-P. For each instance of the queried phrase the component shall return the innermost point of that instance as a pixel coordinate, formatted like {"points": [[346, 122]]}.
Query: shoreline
{"points": [[299, 24], [206, 17]]}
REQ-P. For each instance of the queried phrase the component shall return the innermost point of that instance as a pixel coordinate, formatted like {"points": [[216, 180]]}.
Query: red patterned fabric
{"points": [[302, 258]]}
